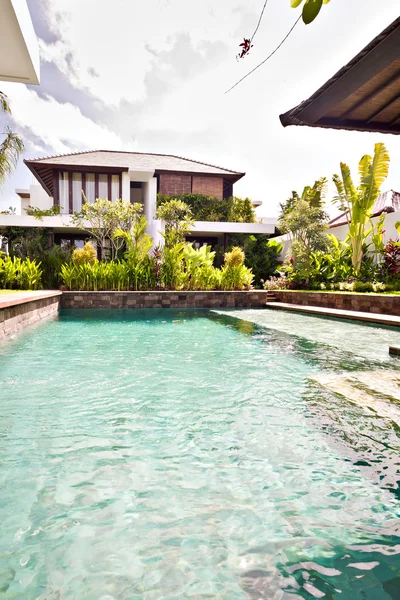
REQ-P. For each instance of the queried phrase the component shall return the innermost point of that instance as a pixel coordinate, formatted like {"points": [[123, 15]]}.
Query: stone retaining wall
{"points": [[15, 317], [372, 303], [252, 299]]}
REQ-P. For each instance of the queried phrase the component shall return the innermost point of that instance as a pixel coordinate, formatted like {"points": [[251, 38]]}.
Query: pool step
{"points": [[271, 297], [377, 392], [392, 320]]}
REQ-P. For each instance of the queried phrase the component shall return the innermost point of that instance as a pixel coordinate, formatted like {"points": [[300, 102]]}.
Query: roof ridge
{"points": [[199, 162]]}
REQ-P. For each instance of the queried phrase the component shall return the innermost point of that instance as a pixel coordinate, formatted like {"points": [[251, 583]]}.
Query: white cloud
{"points": [[164, 66], [60, 126]]}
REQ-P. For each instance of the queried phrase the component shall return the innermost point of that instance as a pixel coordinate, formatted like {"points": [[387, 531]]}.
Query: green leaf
{"points": [[295, 3], [310, 10]]}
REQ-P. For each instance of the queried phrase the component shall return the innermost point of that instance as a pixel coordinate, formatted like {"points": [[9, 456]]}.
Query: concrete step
{"points": [[271, 297], [339, 314]]}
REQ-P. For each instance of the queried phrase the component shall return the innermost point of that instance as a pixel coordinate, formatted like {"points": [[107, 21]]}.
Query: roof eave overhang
{"points": [[37, 166], [19, 48], [377, 55]]}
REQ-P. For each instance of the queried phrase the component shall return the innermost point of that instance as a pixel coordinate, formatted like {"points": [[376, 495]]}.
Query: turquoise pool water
{"points": [[172, 454]]}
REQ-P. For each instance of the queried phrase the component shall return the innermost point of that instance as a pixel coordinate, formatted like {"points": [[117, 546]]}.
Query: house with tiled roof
{"points": [[65, 180]]}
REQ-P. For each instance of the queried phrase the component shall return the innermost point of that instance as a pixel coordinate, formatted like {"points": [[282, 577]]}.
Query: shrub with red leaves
{"points": [[391, 258]]}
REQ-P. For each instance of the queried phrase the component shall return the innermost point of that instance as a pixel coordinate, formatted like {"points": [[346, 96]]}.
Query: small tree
{"points": [[304, 219], [178, 221], [102, 218]]}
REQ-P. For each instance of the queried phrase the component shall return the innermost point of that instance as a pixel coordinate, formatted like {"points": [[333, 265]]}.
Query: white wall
{"points": [[39, 198], [341, 232], [389, 227], [226, 227]]}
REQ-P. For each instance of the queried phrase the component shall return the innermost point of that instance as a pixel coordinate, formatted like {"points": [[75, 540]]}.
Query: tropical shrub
{"points": [[357, 202], [84, 256], [98, 276], [18, 274], [35, 244], [172, 267], [137, 248], [178, 221], [234, 274], [210, 208], [100, 219], [362, 286], [304, 219], [240, 210], [391, 258], [277, 283], [51, 261], [39, 213], [199, 272], [262, 256]]}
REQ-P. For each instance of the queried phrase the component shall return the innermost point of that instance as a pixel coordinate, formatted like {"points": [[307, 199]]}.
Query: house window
{"points": [[103, 186], [64, 192], [115, 193], [77, 191], [94, 185], [90, 187]]}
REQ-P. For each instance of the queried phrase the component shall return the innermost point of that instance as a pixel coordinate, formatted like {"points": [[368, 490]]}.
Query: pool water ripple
{"points": [[178, 454]]}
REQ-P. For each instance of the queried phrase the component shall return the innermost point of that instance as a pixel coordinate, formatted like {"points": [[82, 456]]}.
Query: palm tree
{"points": [[11, 147], [358, 202]]}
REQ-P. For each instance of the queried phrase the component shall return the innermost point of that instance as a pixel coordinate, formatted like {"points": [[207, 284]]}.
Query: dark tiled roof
{"points": [[387, 202], [134, 161]]}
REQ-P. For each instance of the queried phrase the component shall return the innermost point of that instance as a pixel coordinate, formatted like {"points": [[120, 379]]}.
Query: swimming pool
{"points": [[172, 454]]}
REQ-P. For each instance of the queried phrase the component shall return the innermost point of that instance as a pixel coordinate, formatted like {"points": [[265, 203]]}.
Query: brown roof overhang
{"points": [[363, 96], [44, 172]]}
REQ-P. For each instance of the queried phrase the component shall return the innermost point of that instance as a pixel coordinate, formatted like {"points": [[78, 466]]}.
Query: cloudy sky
{"points": [[150, 76]]}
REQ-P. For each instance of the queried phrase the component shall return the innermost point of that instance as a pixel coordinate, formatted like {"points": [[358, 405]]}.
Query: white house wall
{"points": [[341, 232]]}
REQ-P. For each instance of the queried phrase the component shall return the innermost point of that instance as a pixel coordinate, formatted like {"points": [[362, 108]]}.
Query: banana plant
{"points": [[358, 202], [310, 10]]}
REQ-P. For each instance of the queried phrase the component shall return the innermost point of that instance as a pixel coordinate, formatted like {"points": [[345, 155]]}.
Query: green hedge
{"points": [[209, 208]]}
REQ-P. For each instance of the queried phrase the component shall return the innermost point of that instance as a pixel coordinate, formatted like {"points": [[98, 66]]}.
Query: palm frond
{"points": [[5, 107], [349, 187], [10, 150]]}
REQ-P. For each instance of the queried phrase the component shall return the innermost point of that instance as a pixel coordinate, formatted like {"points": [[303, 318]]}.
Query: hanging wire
{"points": [[259, 21], [265, 59]]}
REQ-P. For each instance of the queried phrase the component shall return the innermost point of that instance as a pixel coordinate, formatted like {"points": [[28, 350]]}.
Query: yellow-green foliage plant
{"points": [[358, 202], [19, 274], [84, 256], [199, 272], [234, 274], [99, 276]]}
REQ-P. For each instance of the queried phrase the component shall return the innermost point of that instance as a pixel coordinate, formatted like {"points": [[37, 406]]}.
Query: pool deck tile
{"points": [[7, 300], [339, 314]]}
